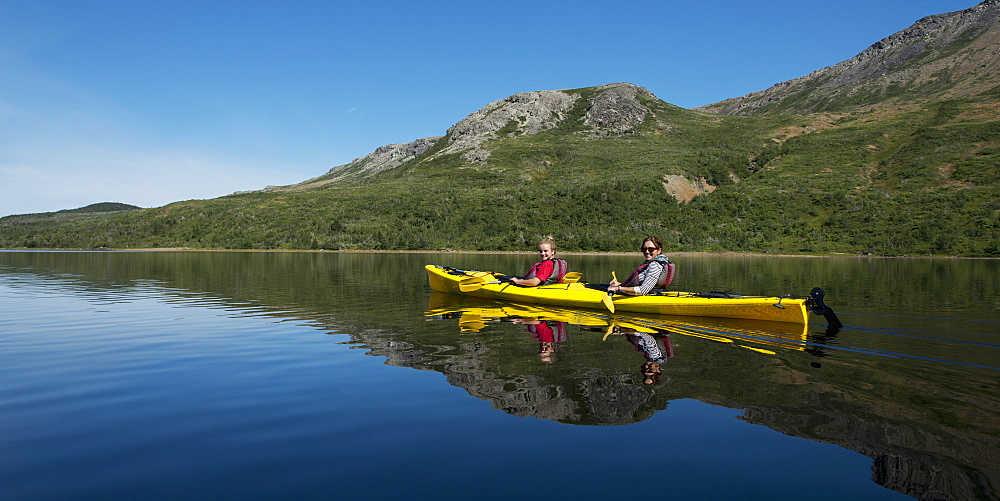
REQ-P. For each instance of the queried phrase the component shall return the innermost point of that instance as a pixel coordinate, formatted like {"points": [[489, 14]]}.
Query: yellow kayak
{"points": [[486, 284]]}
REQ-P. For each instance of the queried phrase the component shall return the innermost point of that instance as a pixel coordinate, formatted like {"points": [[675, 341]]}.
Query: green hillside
{"points": [[98, 209], [905, 180]]}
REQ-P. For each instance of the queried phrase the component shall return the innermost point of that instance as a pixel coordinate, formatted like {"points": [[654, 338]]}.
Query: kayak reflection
{"points": [[591, 367], [474, 314]]}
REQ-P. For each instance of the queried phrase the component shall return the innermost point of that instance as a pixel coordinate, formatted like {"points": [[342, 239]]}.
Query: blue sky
{"points": [[154, 102]]}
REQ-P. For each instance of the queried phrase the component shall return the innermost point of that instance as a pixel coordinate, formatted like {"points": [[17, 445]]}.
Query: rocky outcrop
{"points": [[940, 56], [684, 189], [613, 109], [524, 113], [616, 108], [383, 158]]}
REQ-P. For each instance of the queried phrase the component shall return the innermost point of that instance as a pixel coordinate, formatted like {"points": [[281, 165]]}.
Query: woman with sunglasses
{"points": [[651, 272]]}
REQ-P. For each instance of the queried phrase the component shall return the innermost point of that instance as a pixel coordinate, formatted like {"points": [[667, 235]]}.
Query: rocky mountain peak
{"points": [[382, 159], [940, 56], [612, 109], [522, 113], [615, 108]]}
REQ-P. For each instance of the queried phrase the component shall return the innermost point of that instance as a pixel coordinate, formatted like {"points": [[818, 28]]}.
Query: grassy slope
{"points": [[915, 180], [901, 184]]}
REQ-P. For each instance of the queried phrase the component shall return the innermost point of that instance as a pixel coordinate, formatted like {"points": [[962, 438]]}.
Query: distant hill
{"points": [[915, 171], [945, 56], [101, 208]]}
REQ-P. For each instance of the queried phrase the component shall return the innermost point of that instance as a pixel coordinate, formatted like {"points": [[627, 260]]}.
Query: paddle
{"points": [[608, 303], [572, 277], [610, 331], [475, 283], [471, 323]]}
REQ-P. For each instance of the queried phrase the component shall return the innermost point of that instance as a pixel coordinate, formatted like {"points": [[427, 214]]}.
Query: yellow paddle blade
{"points": [[470, 322], [608, 303], [572, 277], [614, 277], [471, 284], [471, 326], [611, 329]]}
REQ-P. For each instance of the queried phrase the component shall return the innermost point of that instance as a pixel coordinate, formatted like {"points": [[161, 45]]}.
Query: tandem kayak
{"points": [[487, 284]]}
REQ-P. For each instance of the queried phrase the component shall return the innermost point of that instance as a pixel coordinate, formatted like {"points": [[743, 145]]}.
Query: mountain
{"points": [[98, 209], [383, 158], [615, 108], [913, 172], [944, 56]]}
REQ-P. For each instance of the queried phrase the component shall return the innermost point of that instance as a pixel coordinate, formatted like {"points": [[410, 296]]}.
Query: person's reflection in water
{"points": [[647, 344], [548, 333]]}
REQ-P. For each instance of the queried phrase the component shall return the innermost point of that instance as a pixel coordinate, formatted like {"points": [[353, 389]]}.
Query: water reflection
{"points": [[910, 380], [649, 336], [548, 333], [474, 314], [620, 369]]}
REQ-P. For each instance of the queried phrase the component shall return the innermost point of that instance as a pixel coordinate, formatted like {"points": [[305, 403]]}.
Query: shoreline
{"points": [[567, 253]]}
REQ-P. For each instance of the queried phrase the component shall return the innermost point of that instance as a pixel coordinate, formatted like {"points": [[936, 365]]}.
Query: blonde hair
{"points": [[549, 240]]}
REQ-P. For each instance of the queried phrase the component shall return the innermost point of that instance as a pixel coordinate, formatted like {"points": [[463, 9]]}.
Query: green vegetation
{"points": [[907, 181], [84, 213]]}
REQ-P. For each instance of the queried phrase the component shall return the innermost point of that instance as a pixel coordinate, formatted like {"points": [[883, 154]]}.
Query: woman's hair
{"points": [[549, 240], [655, 241]]}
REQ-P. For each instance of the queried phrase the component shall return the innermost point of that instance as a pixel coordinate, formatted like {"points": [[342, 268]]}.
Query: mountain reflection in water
{"points": [[880, 410], [600, 386]]}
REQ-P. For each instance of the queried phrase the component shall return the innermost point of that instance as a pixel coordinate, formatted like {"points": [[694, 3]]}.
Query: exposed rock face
{"points": [[524, 113], [601, 400], [959, 55], [617, 108], [684, 189], [383, 158]]}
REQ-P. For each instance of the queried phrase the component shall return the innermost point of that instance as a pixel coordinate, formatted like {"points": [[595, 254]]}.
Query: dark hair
{"points": [[650, 376], [655, 241]]}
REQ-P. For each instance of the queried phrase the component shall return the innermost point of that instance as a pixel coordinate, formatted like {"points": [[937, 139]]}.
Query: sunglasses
{"points": [[648, 249]]}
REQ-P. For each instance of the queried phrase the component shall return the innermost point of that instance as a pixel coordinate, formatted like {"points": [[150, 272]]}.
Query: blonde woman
{"points": [[550, 270]]}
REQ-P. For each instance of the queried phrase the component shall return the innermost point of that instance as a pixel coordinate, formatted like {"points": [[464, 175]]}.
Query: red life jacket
{"points": [[559, 269], [545, 332]]}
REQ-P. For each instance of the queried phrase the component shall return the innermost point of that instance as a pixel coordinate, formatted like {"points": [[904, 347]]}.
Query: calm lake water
{"points": [[208, 375]]}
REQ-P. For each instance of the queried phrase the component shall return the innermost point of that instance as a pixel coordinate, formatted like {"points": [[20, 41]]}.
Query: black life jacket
{"points": [[666, 276]]}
